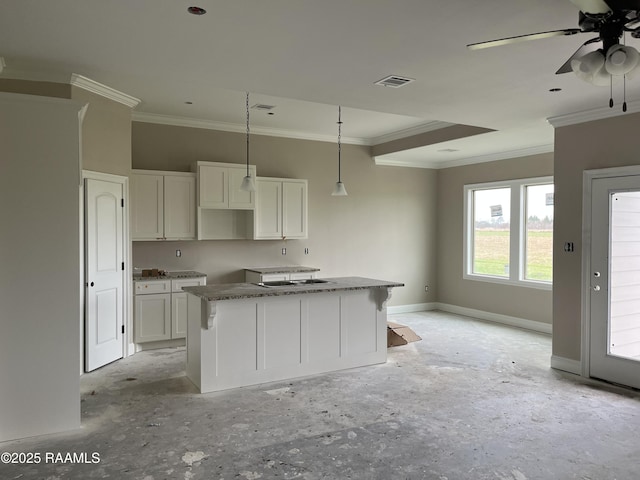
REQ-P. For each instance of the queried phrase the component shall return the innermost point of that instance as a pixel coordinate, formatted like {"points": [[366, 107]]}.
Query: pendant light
{"points": [[248, 184], [339, 189]]}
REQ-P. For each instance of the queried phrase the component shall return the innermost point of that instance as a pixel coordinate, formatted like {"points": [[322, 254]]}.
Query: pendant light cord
{"points": [[247, 104], [339, 140]]}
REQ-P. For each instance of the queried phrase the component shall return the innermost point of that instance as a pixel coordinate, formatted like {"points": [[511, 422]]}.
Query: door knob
{"points": [[91, 284], [596, 288], [596, 274]]}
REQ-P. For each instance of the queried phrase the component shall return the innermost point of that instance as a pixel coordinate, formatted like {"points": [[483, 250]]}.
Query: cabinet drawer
{"points": [[152, 286], [176, 285]]}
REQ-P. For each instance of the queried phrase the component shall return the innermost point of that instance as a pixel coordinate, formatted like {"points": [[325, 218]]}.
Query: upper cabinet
{"points": [[281, 208], [163, 205], [219, 186], [225, 212]]}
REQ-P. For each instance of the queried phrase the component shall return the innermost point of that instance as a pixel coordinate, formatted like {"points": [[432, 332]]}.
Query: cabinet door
{"points": [[294, 209], [214, 186], [268, 214], [152, 318], [147, 208], [239, 199], [179, 315], [179, 207]]}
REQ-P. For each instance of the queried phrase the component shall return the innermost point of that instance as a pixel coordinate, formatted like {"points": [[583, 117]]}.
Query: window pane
{"points": [[539, 233], [491, 217]]}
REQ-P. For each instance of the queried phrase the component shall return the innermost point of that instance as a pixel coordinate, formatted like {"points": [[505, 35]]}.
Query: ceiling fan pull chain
{"points": [[624, 93], [610, 91]]}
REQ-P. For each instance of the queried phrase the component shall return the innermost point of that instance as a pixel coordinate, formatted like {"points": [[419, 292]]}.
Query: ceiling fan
{"points": [[603, 56]]}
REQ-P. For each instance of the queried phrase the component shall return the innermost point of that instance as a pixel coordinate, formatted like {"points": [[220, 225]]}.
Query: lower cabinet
{"points": [[161, 316]]}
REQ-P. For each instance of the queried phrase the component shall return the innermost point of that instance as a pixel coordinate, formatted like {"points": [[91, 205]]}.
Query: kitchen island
{"points": [[243, 333]]}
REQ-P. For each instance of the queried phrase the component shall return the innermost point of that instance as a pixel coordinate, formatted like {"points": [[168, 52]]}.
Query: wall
{"points": [[513, 301], [384, 229], [106, 131], [47, 89], [598, 144], [40, 258], [106, 134]]}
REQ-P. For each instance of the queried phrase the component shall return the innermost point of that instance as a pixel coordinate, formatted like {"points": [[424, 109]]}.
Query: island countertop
{"points": [[236, 291]]}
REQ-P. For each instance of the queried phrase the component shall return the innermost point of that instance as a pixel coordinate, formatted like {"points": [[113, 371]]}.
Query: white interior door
{"points": [[104, 273], [614, 348]]}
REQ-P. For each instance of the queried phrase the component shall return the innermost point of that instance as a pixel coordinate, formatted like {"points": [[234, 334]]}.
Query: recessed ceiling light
{"points": [[196, 10], [554, 90]]}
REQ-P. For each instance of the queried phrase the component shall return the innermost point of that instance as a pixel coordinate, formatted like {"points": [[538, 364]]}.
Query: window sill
{"points": [[507, 281]]}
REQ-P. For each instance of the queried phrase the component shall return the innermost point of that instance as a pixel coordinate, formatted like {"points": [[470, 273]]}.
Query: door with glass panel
{"points": [[614, 290]]}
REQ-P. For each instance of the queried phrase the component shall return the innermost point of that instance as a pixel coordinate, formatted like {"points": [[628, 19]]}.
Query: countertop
{"points": [[282, 269], [170, 276], [236, 291]]}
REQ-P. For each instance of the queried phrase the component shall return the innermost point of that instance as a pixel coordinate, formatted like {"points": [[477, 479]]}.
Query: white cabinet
{"points": [[152, 311], [219, 186], [160, 309], [163, 205], [225, 212], [281, 208]]}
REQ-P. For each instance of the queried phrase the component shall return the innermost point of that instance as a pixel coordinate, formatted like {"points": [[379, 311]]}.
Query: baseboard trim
{"points": [[533, 325], [566, 364], [416, 307]]}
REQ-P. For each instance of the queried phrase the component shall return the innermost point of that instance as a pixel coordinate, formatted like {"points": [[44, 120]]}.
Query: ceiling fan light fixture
{"points": [[589, 67], [621, 59]]}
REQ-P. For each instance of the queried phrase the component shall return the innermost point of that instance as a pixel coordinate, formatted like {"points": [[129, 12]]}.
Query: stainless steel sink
{"points": [[291, 283]]}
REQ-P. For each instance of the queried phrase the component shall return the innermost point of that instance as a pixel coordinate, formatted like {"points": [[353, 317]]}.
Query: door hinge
{"points": [[123, 266], [122, 328], [122, 202]]}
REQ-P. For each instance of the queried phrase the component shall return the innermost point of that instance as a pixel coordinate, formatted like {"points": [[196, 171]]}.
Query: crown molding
{"points": [[102, 90], [237, 128], [390, 160], [591, 115], [409, 132]]}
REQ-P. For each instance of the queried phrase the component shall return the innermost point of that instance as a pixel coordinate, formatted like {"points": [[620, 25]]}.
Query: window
{"points": [[509, 232]]}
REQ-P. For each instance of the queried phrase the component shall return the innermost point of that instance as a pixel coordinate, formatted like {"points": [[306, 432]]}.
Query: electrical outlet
{"points": [[178, 253], [284, 251], [306, 251], [426, 288]]}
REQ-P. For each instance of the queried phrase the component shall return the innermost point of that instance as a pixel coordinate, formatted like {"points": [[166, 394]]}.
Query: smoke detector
{"points": [[394, 81]]}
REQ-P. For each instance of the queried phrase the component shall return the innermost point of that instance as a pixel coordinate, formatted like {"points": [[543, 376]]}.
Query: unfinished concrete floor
{"points": [[472, 400]]}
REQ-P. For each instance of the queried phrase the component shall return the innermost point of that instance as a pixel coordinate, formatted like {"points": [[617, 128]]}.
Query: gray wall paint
{"points": [[384, 229], [39, 193], [106, 134], [591, 145], [528, 303]]}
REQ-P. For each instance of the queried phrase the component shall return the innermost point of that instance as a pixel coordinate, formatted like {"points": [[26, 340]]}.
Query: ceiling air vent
{"points": [[263, 107], [394, 81]]}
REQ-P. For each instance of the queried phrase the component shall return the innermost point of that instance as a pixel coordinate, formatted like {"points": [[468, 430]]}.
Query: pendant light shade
{"points": [[248, 184], [339, 189]]}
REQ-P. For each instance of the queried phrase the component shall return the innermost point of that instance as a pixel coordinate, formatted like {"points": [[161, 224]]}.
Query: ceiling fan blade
{"points": [[522, 38], [587, 47]]}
